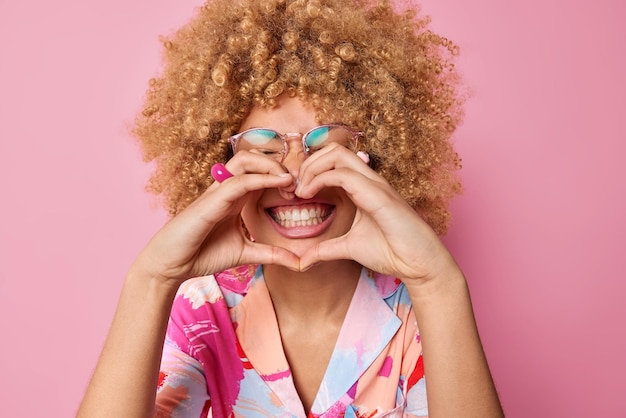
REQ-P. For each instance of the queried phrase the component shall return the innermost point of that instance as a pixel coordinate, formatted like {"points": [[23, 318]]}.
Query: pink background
{"points": [[539, 230]]}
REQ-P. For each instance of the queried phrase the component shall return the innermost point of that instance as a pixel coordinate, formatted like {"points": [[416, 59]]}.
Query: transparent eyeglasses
{"points": [[274, 144]]}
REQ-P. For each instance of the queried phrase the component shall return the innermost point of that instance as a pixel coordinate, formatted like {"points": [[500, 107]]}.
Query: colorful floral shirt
{"points": [[223, 355]]}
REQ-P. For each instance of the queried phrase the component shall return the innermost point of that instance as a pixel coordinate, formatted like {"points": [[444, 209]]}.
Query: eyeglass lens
{"points": [[272, 144]]}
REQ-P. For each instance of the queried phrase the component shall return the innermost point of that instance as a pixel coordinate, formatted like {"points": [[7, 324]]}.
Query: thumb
{"points": [[256, 253], [332, 249]]}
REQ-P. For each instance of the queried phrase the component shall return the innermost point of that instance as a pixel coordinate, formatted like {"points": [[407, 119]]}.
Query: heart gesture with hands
{"points": [[386, 235]]}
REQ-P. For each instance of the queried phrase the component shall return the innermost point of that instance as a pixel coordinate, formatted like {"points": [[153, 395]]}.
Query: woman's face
{"points": [[294, 224]]}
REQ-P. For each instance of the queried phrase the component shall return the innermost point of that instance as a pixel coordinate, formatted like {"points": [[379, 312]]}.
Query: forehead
{"points": [[289, 115]]}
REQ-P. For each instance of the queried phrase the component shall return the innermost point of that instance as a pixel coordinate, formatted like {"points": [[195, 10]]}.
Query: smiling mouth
{"points": [[298, 216]]}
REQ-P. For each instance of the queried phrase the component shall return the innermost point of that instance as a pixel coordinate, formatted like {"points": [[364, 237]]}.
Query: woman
{"points": [[297, 279]]}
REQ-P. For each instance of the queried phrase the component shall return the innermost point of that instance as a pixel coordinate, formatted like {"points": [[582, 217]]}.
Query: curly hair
{"points": [[365, 63]]}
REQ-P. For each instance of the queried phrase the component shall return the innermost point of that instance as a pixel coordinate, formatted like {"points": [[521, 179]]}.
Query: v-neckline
{"points": [[356, 347]]}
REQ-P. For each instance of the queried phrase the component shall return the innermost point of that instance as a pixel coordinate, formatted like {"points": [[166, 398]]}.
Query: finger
{"points": [[286, 194], [332, 158], [228, 195], [251, 162], [256, 253], [221, 205], [255, 162], [358, 186], [332, 249]]}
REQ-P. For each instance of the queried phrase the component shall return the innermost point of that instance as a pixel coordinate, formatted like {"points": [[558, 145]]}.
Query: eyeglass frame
{"points": [[233, 139]]}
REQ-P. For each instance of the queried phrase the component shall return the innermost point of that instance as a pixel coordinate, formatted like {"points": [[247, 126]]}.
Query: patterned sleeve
{"points": [[415, 384], [182, 389], [416, 404]]}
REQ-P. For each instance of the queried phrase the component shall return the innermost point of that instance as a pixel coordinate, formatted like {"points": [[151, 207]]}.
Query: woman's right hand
{"points": [[207, 237]]}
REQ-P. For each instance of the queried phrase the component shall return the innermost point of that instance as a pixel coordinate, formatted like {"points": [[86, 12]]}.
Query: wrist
{"points": [[446, 280], [150, 284]]}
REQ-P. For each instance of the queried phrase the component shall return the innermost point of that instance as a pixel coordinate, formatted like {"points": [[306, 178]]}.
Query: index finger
{"points": [[331, 158]]}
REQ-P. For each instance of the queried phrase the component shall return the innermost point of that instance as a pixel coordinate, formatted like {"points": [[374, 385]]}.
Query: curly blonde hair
{"points": [[364, 63]]}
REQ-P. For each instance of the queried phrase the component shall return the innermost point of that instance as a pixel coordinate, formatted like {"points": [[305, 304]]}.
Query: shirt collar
{"points": [[355, 350]]}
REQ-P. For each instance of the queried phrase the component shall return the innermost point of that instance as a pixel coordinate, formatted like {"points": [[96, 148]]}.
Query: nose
{"points": [[293, 160], [295, 154]]}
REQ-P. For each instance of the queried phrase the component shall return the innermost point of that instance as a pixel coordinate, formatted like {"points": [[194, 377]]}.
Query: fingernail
{"points": [[308, 267], [364, 156], [299, 187]]}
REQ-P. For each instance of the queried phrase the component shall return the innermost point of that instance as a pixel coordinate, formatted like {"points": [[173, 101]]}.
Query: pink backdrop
{"points": [[539, 230]]}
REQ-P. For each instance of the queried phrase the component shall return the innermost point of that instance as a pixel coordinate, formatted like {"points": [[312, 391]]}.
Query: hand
{"points": [[387, 235], [207, 237]]}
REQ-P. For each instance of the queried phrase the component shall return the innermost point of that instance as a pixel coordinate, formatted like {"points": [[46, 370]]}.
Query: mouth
{"points": [[305, 220], [300, 215]]}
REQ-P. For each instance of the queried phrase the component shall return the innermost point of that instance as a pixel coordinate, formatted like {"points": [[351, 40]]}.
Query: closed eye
{"points": [[268, 151]]}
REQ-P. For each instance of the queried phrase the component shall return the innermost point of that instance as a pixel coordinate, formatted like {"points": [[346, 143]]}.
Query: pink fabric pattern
{"points": [[223, 355]]}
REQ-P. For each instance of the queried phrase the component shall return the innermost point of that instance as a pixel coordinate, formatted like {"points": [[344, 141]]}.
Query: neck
{"points": [[324, 289]]}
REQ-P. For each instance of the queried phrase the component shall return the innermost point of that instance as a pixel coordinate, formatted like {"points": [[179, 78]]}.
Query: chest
{"points": [[308, 351]]}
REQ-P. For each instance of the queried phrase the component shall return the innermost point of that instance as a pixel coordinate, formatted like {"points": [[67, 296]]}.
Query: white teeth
{"points": [[290, 218]]}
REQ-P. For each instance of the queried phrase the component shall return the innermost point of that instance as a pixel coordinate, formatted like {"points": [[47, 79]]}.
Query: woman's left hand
{"points": [[387, 235]]}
